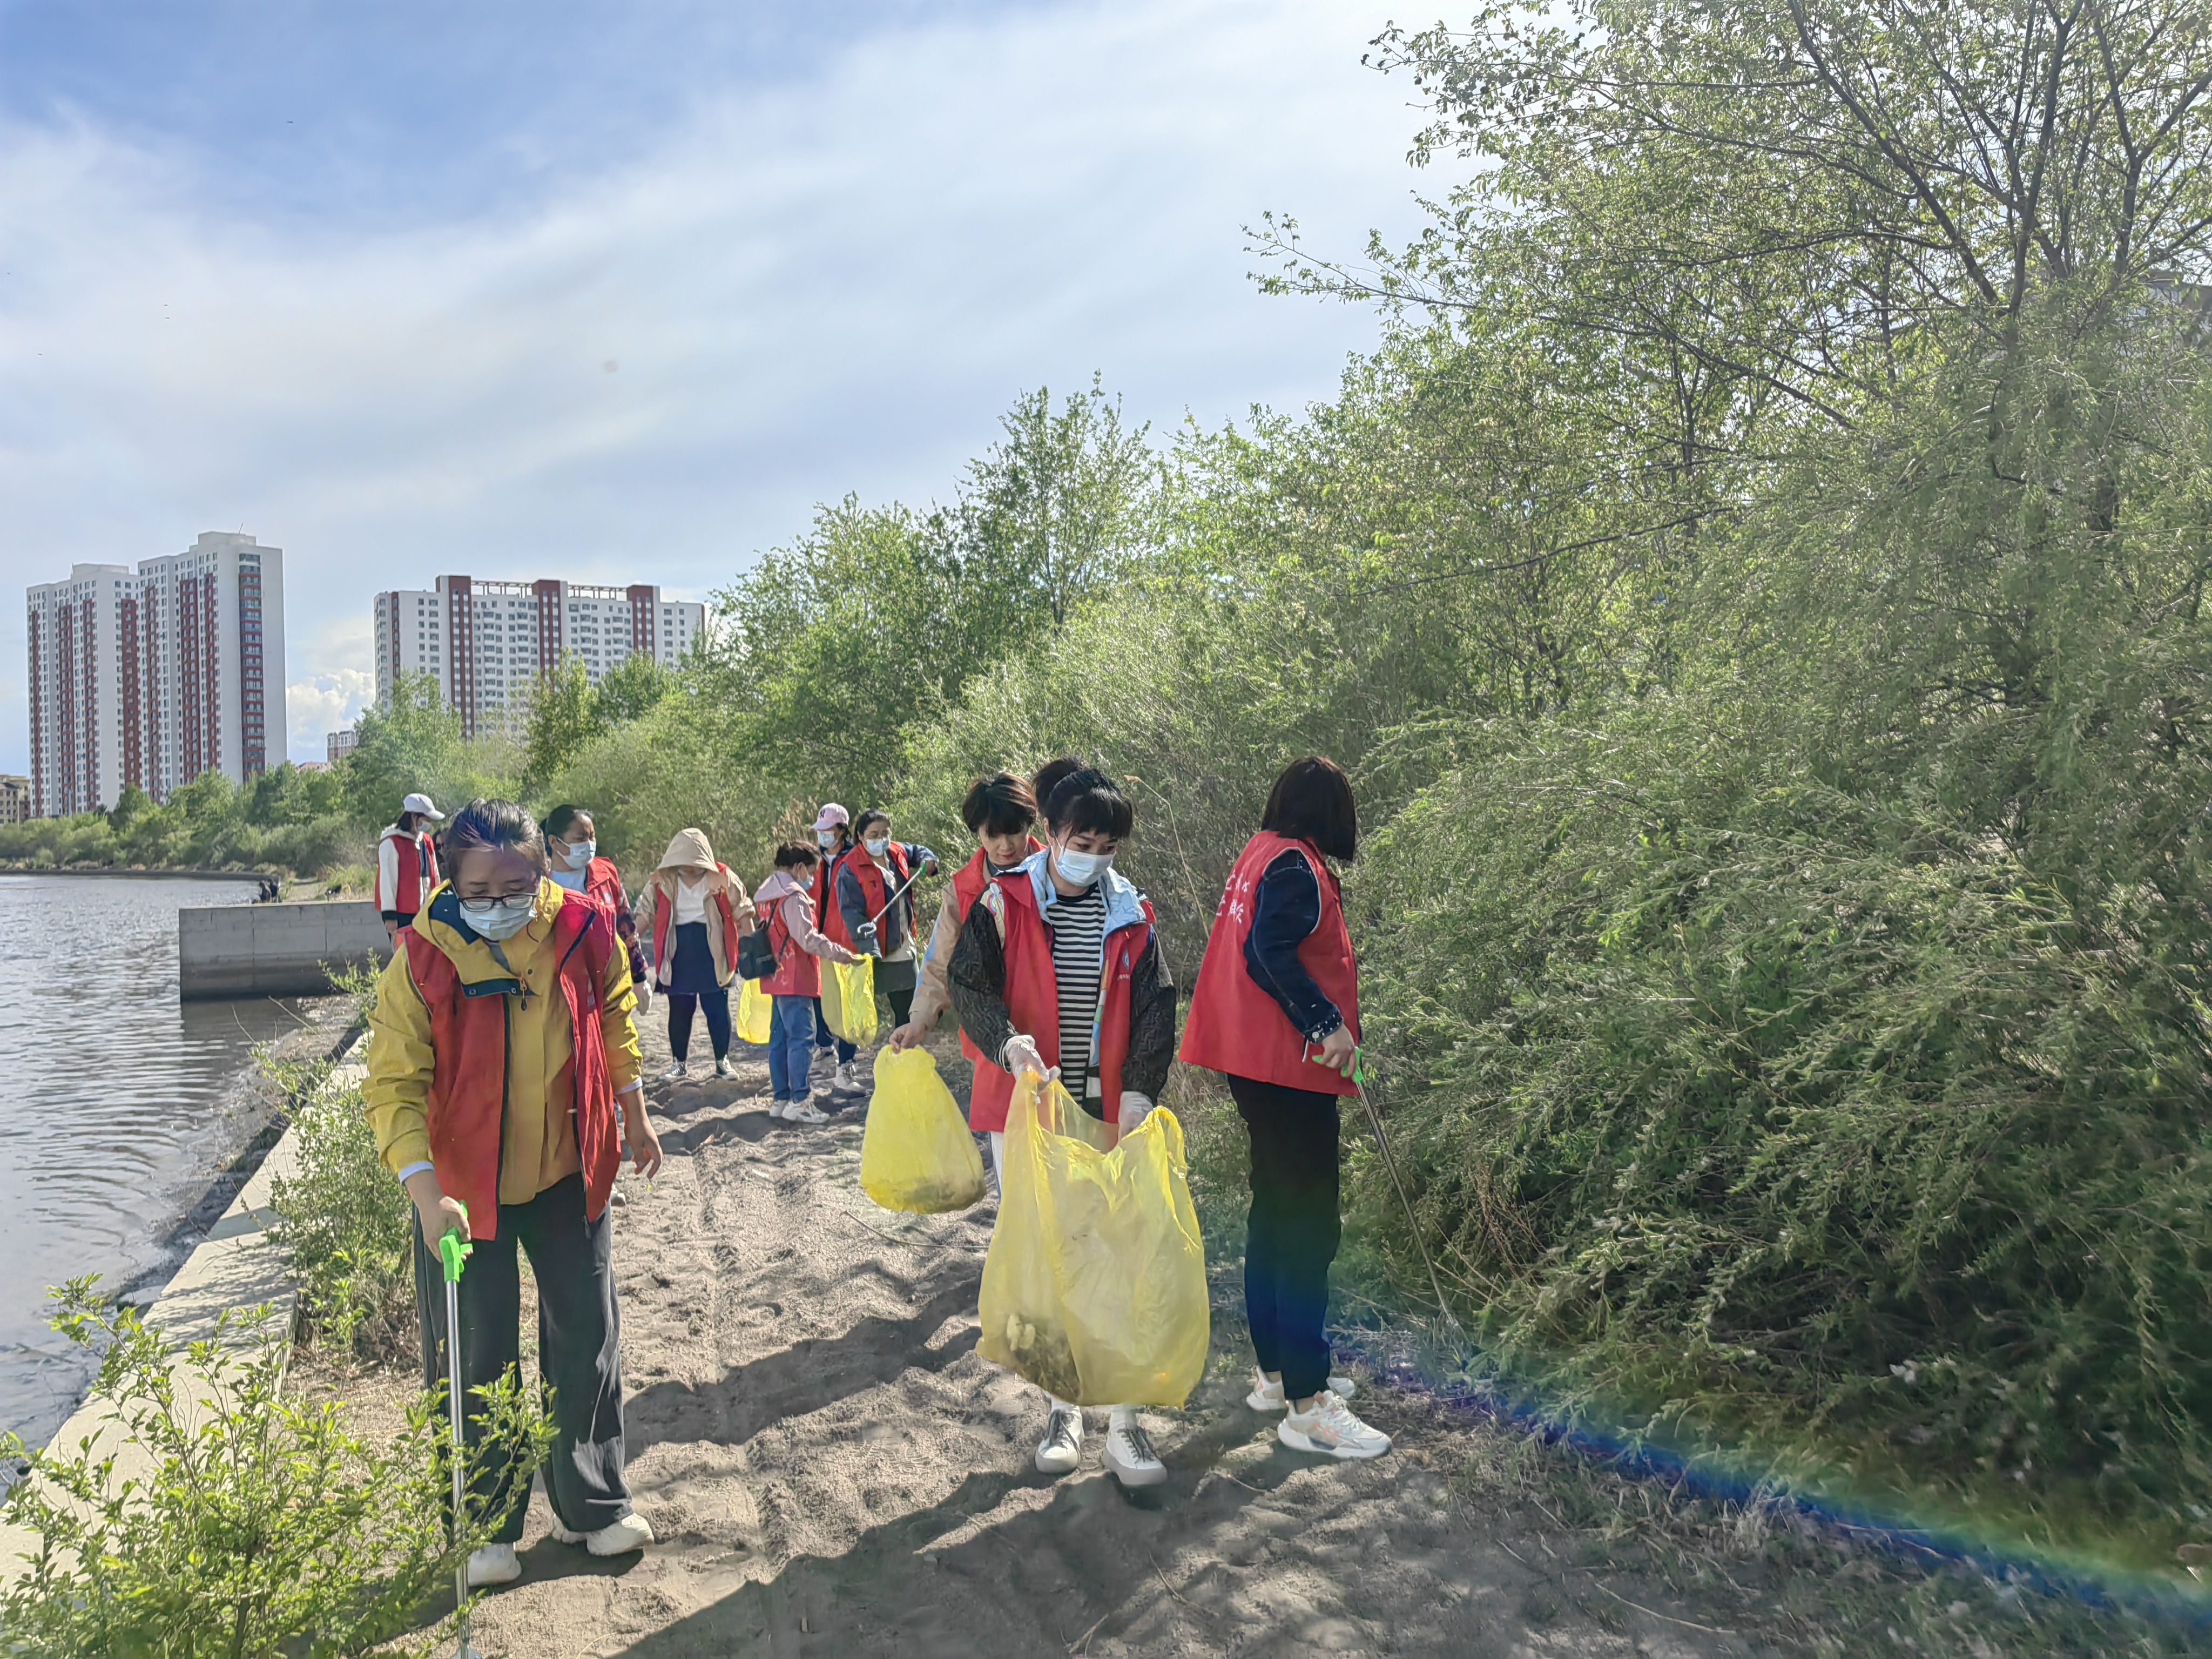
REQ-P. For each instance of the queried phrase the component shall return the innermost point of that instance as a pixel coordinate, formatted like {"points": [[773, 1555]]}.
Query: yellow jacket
{"points": [[538, 1139]]}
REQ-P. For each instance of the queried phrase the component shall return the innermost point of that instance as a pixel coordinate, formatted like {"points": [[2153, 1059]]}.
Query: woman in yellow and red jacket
{"points": [[700, 911], [1059, 968], [502, 1077]]}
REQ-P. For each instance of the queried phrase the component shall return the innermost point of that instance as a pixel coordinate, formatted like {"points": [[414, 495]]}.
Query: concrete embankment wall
{"points": [[275, 950]]}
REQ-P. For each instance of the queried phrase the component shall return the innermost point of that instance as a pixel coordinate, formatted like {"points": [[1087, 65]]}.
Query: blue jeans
{"points": [[790, 1046]]}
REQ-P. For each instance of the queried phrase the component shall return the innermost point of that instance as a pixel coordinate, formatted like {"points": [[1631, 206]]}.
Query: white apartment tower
{"points": [[157, 676], [485, 642]]}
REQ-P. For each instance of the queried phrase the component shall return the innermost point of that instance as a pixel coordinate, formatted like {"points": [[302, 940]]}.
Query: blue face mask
{"points": [[581, 853], [499, 918]]}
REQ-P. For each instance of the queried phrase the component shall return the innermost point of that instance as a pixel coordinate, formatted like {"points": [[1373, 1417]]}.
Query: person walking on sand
{"points": [[406, 865], [700, 911], [833, 839], [786, 903], [1276, 1009], [572, 852], [1059, 967], [501, 1053], [876, 900]]}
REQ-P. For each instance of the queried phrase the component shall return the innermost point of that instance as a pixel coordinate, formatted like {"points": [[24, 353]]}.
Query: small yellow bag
{"points": [[756, 1012], [916, 1154], [1095, 1287], [849, 998]]}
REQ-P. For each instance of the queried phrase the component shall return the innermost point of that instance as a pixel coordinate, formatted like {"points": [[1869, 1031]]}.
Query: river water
{"points": [[118, 1101]]}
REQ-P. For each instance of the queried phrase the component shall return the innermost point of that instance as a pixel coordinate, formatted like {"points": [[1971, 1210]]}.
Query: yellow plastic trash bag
{"points": [[1095, 1287], [756, 1012], [916, 1154], [849, 998]]}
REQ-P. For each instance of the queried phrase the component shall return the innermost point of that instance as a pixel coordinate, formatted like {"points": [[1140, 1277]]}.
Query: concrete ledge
{"points": [[275, 950]]}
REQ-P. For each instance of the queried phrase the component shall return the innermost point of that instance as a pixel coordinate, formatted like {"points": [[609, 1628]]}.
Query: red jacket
{"points": [[664, 910], [406, 872], [468, 1083], [968, 881], [1033, 999], [603, 882], [1234, 1026], [798, 973], [830, 919]]}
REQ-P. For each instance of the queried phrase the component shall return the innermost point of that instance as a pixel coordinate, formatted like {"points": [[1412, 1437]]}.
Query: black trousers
{"points": [[579, 1352], [681, 1007], [1293, 1230], [897, 981]]}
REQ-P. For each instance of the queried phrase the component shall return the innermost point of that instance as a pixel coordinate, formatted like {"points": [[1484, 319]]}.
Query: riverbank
{"points": [[831, 1467], [152, 874]]}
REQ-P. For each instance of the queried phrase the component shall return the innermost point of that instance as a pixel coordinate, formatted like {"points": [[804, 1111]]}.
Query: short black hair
{"points": [[1052, 775], [793, 854], [1312, 801], [494, 826], [1088, 801], [561, 819], [1001, 804], [873, 815]]}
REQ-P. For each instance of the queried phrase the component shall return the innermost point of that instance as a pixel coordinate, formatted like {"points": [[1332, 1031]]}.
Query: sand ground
{"points": [[832, 1469]]}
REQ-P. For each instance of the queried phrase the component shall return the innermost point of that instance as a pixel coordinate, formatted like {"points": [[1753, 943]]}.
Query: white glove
{"points": [[1135, 1109], [1020, 1054], [644, 987]]}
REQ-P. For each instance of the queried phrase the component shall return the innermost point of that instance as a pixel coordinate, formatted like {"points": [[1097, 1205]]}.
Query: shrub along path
{"points": [[831, 1468]]}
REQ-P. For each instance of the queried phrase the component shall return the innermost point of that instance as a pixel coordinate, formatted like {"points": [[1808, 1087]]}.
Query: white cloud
{"points": [[324, 703], [836, 285]]}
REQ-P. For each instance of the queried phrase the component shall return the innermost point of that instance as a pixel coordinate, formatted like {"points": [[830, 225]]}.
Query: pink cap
{"points": [[832, 816]]}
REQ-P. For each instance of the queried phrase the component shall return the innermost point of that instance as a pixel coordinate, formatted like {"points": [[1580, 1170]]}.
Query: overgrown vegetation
{"points": [[260, 1526]]}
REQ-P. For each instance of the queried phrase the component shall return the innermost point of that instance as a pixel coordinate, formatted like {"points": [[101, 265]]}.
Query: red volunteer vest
{"points": [[603, 882], [968, 881], [415, 862], [664, 909], [875, 894], [468, 1081], [829, 915], [1234, 1025], [1033, 1000], [798, 973]]}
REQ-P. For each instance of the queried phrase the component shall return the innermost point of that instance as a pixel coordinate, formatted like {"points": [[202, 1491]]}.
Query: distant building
{"points": [[485, 642], [313, 766], [339, 744], [157, 676], [14, 799]]}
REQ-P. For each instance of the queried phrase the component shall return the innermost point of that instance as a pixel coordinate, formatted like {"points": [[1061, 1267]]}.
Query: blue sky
{"points": [[617, 292]]}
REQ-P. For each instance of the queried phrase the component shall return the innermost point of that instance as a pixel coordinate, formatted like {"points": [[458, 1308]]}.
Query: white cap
{"points": [[420, 803]]}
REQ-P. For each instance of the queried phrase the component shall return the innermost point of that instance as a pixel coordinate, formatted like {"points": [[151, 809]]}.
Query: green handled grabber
{"points": [[454, 1249]]}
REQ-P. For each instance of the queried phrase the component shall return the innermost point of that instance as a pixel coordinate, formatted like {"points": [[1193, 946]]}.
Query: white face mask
{"points": [[1081, 869], [499, 918], [825, 839], [581, 853], [878, 848]]}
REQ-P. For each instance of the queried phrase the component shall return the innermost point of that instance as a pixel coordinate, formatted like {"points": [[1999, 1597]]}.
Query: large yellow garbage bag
{"points": [[916, 1153], [756, 1012], [849, 998], [1095, 1287]]}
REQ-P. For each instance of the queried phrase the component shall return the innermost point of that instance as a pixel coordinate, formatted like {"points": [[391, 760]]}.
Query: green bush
{"points": [[349, 1229], [264, 1526]]}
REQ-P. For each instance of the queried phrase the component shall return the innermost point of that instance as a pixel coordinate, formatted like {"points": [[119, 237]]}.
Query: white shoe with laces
{"points": [[675, 1072], [495, 1564], [723, 1068], [848, 1081], [1331, 1429], [632, 1532], [804, 1111], [1267, 1396], [1061, 1448], [1130, 1456]]}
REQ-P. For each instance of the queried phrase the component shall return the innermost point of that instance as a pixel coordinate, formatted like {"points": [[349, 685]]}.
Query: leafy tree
{"points": [[412, 742], [133, 804], [558, 719], [629, 690]]}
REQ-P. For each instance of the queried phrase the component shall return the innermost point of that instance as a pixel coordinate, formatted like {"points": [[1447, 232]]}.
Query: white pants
{"points": [[1121, 1415]]}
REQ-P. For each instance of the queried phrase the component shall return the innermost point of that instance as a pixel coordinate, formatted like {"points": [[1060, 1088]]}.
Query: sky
{"points": [[617, 292]]}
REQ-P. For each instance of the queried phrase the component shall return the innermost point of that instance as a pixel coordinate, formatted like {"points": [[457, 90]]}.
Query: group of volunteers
{"points": [[504, 1072]]}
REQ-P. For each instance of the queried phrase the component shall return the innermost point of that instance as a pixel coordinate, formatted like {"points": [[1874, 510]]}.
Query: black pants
{"points": [[680, 1009], [897, 981], [579, 1352], [1293, 1230]]}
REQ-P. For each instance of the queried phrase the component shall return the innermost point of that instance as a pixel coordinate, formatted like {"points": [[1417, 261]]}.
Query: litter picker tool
{"points": [[1390, 1163], [454, 1249]]}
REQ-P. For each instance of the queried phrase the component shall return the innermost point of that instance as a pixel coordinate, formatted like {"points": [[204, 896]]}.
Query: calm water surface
{"points": [[118, 1103]]}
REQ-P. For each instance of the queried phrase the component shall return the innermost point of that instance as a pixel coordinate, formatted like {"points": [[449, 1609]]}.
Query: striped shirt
{"points": [[1078, 953]]}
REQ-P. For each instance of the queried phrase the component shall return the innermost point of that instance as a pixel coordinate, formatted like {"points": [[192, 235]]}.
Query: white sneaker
{"points": [[1129, 1455], [1061, 1448], [804, 1111], [823, 1063], [1267, 1396], [847, 1081], [723, 1068], [1330, 1429], [495, 1564], [676, 1072], [632, 1532]]}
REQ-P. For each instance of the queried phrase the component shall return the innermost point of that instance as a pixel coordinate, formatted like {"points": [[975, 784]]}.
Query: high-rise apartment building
{"points": [[485, 642], [158, 676]]}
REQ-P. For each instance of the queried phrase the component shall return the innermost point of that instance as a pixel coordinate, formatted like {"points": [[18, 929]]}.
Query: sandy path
{"points": [[832, 1469]]}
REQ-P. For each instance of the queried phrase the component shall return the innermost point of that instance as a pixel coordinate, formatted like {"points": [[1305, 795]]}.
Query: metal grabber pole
{"points": [[454, 1249], [1390, 1163]]}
